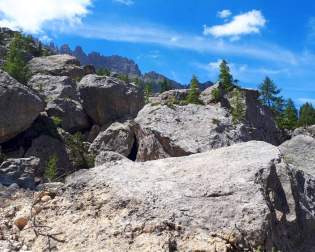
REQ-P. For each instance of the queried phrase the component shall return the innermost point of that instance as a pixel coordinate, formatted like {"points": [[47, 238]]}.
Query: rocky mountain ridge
{"points": [[123, 66]]}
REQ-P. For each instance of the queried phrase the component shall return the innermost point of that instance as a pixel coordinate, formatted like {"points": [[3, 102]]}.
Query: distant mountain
{"points": [[115, 63], [205, 85], [155, 79], [121, 65]]}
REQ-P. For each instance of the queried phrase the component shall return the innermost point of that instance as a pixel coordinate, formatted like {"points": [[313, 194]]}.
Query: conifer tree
{"points": [[147, 91], [269, 93], [193, 95], [225, 77], [238, 109], [164, 85], [289, 116], [15, 63], [307, 115]]}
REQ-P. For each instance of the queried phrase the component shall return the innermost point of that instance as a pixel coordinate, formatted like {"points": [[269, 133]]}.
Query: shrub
{"points": [[124, 77], [79, 155], [57, 121], [51, 168], [237, 106], [216, 121], [103, 72]]}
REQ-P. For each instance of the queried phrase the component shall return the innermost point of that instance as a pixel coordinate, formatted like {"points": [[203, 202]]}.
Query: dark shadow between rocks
{"points": [[134, 150]]}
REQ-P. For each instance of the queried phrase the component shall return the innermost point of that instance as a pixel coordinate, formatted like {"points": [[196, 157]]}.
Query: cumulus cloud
{"points": [[224, 13], [32, 15], [246, 23], [125, 2]]}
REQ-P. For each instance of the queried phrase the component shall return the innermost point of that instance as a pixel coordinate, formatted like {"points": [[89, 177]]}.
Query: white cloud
{"points": [[32, 15], [125, 2], [246, 23], [224, 13], [45, 39], [152, 34]]}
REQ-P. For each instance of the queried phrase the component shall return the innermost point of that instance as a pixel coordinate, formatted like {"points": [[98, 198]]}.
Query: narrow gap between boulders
{"points": [[134, 150]]}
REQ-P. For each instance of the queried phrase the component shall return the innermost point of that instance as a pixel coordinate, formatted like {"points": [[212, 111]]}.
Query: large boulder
{"points": [[172, 130], [19, 107], [45, 147], [300, 152], [60, 94], [58, 65], [107, 99], [119, 137], [19, 171], [309, 131], [239, 198]]}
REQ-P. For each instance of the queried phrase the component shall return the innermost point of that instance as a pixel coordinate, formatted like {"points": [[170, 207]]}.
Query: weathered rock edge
{"points": [[245, 192]]}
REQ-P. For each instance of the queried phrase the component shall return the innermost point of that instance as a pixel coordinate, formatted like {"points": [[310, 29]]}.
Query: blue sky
{"points": [[180, 38]]}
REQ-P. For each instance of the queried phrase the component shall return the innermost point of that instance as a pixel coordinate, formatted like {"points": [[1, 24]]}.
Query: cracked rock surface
{"points": [[237, 197]]}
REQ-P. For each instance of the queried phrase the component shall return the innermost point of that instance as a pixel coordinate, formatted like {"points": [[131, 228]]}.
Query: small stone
{"points": [[45, 198], [21, 222], [36, 210], [14, 186]]}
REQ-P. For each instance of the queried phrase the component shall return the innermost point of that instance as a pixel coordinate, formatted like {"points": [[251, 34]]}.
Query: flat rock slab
{"points": [[234, 197]]}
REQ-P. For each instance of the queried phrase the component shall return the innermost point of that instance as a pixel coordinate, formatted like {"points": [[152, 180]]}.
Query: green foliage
{"points": [[164, 86], [139, 82], [289, 117], [147, 92], [216, 121], [51, 168], [79, 154], [238, 110], [103, 72], [269, 94], [57, 121], [216, 94], [124, 78], [225, 77], [307, 115], [15, 61], [193, 94]]}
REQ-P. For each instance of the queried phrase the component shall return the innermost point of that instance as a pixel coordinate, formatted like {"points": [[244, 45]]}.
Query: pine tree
{"points": [[193, 94], [269, 93], [238, 109], [289, 116], [307, 115], [164, 85], [15, 63], [147, 91], [225, 77]]}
